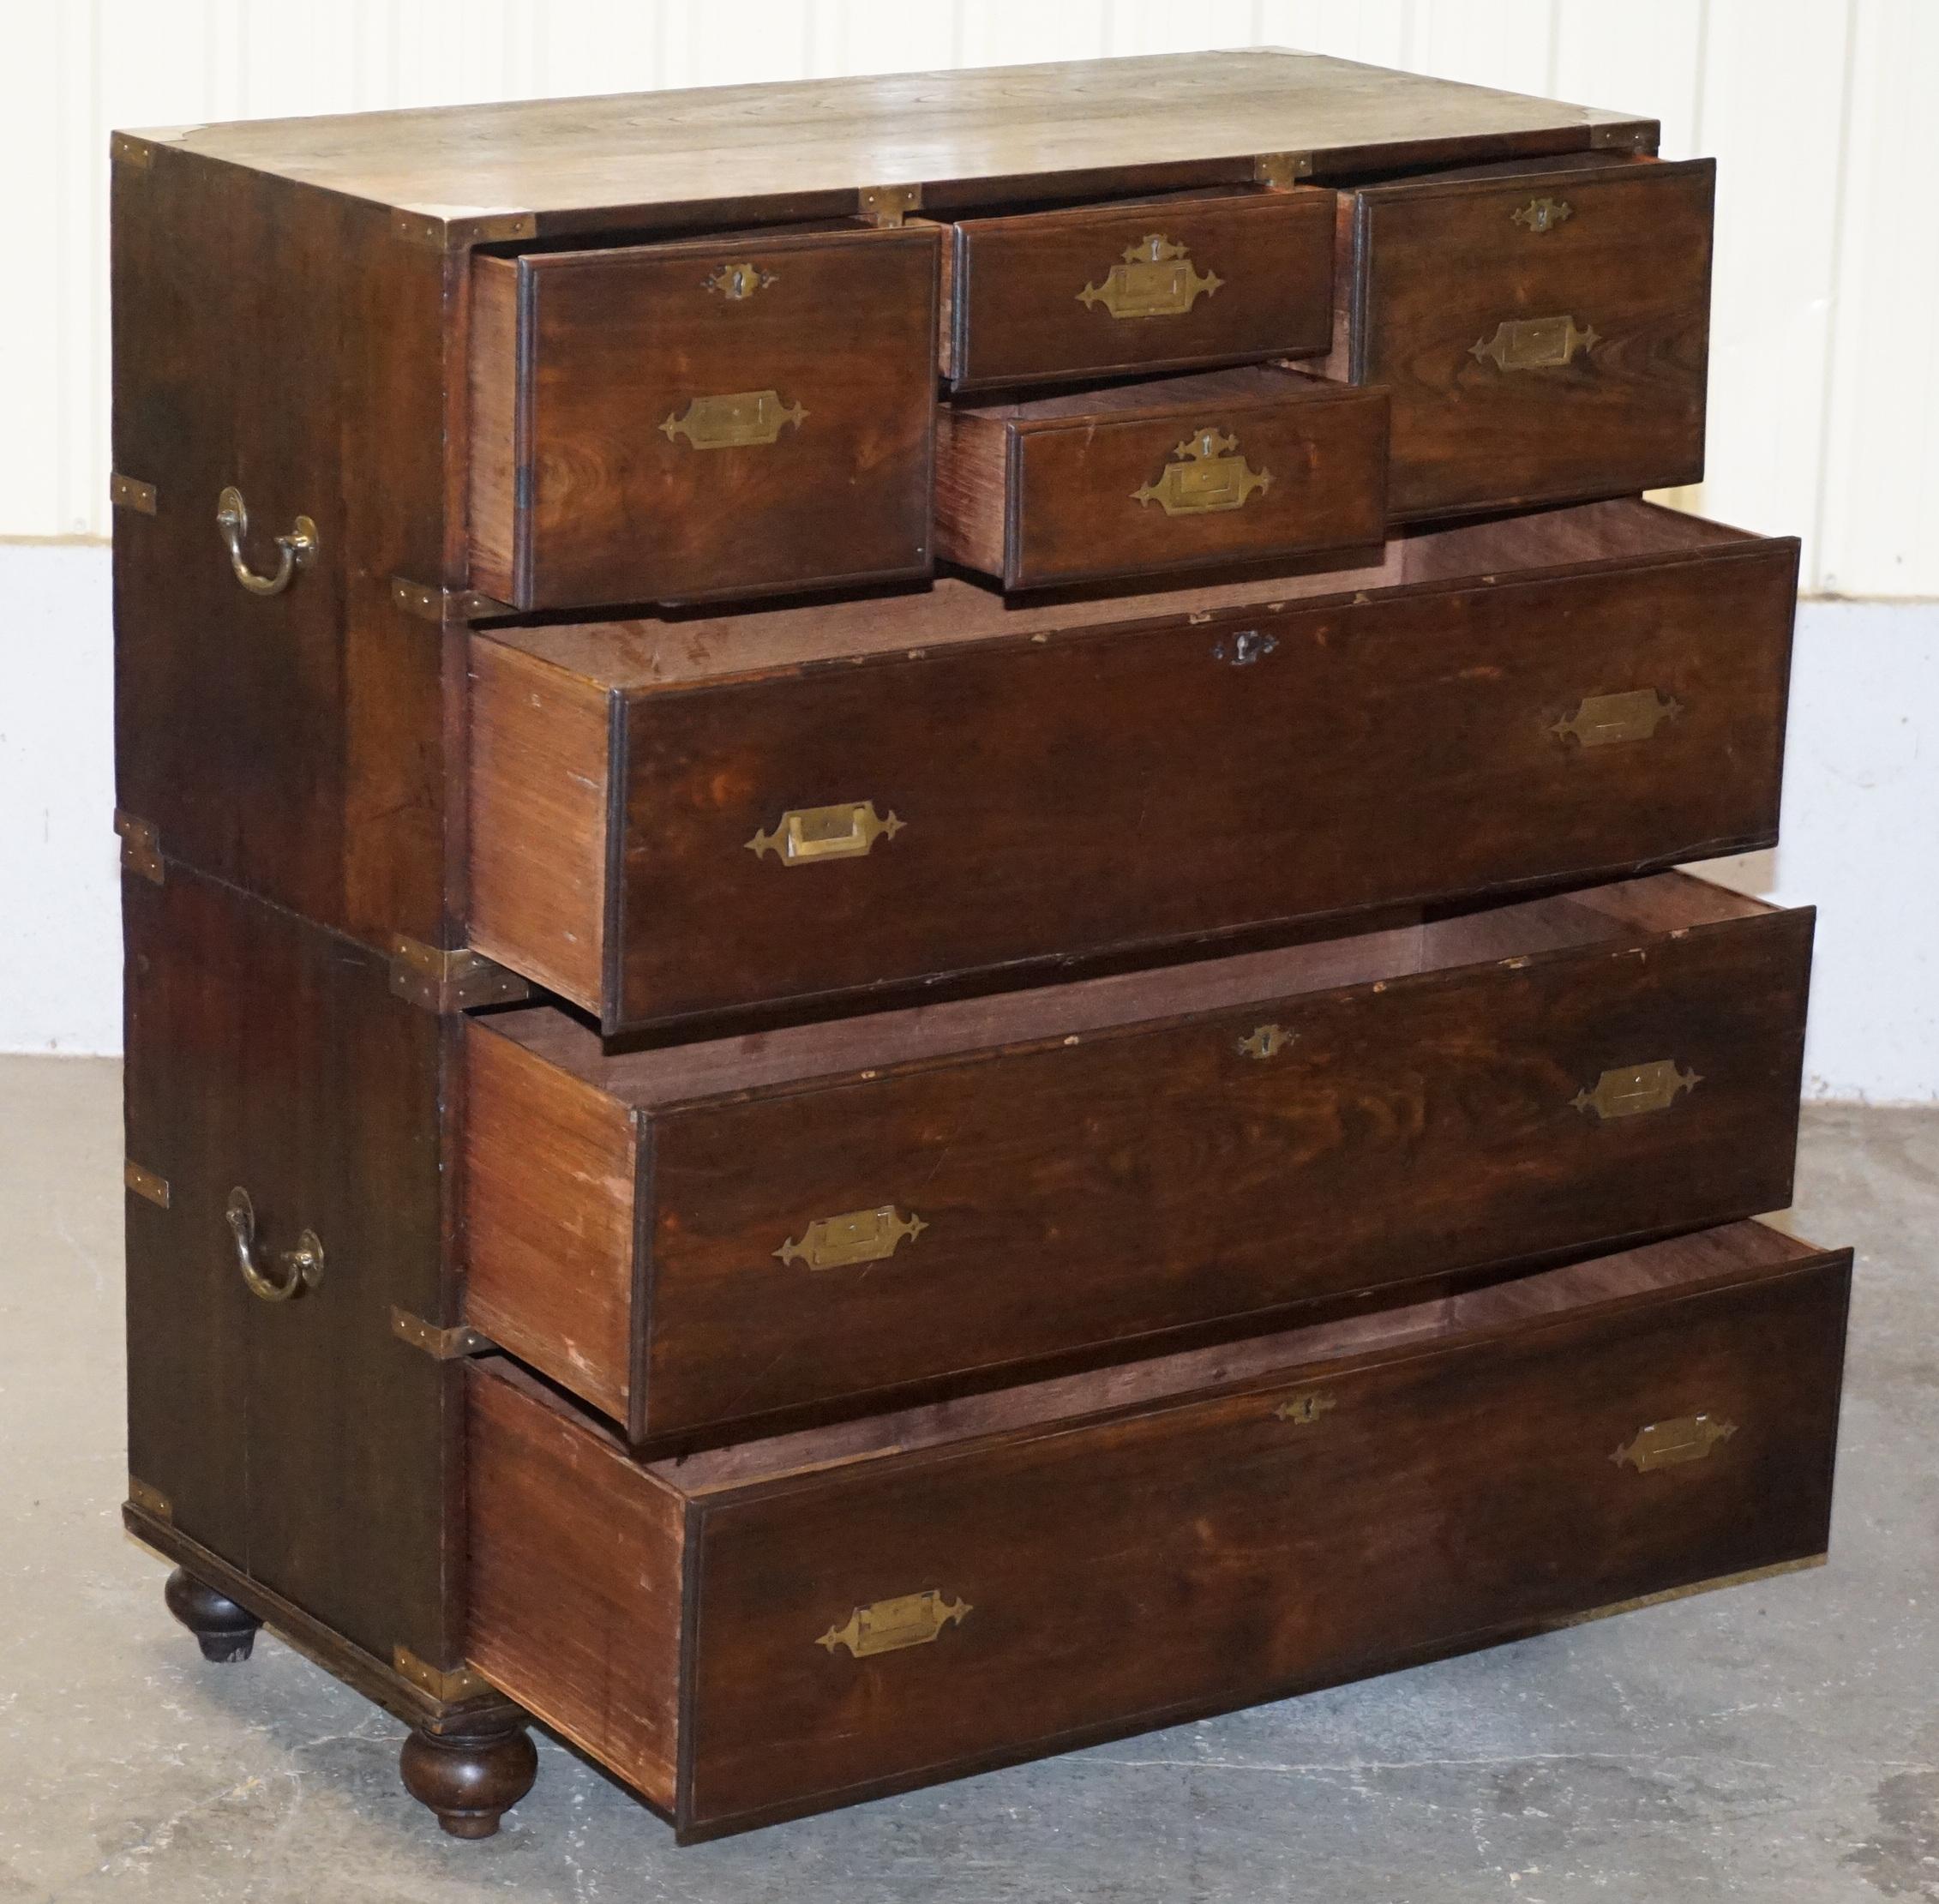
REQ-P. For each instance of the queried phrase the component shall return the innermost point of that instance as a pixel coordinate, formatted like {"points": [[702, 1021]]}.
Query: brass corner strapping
{"points": [[888, 205], [448, 1684], [1279, 172], [446, 606], [150, 1500], [456, 979], [140, 847], [144, 1183], [459, 233], [125, 492], [441, 1345]]}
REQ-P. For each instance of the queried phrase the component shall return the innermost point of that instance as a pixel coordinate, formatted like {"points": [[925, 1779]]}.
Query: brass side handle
{"points": [[298, 547], [889, 1625], [805, 834], [1155, 278], [1671, 1444], [1632, 1090], [283, 1274], [1534, 343], [1209, 474]]}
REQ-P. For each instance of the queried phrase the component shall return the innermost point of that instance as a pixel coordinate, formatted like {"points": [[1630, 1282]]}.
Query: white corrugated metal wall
{"points": [[1825, 380]]}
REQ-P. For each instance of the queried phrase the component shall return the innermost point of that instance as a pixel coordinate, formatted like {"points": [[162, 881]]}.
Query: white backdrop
{"points": [[1824, 402]]}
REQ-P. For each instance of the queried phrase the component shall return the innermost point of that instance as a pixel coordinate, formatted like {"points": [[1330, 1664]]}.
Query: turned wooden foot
{"points": [[226, 1630], [470, 1778]]}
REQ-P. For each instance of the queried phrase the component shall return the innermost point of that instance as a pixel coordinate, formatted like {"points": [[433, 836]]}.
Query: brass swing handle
{"points": [[298, 547], [288, 1272]]}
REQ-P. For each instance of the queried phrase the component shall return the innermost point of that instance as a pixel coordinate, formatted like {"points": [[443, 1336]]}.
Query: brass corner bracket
{"points": [[454, 980], [459, 234], [449, 1684], [888, 205], [123, 148], [441, 1345], [1279, 172], [144, 1183], [150, 1500], [124, 492], [447, 607], [140, 847]]}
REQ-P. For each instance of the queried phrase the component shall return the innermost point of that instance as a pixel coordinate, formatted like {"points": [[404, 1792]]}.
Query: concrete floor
{"points": [[1778, 1742]]}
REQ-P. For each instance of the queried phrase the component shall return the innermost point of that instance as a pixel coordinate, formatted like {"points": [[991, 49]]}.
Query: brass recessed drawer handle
{"points": [[889, 1625], [1632, 1090], [1534, 343], [298, 547], [855, 1236], [842, 832], [739, 422], [287, 1272], [1671, 1444], [1156, 279], [1209, 474]]}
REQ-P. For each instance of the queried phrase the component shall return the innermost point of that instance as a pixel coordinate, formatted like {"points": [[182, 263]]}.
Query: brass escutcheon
{"points": [[746, 419], [1156, 280], [1671, 1444], [1266, 1041], [1534, 343], [889, 1625], [1543, 214], [1632, 1090], [1208, 476], [842, 832], [855, 1236], [737, 281], [1303, 1410], [1600, 719]]}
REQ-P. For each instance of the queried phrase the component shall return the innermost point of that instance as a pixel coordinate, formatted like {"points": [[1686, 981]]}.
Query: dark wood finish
{"points": [[599, 493], [806, 150], [470, 1777], [1061, 489], [1017, 313], [1102, 1164], [225, 1631], [1138, 1547], [1101, 776], [1433, 267]]}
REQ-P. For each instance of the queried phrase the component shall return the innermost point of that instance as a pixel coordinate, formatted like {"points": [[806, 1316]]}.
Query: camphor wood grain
{"points": [[1028, 296], [609, 490], [1067, 489], [1087, 818], [1104, 1164], [1434, 266], [1139, 1546]]}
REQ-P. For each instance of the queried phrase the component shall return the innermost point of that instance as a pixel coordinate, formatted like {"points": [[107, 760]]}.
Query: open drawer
{"points": [[696, 1238], [800, 1622], [689, 815]]}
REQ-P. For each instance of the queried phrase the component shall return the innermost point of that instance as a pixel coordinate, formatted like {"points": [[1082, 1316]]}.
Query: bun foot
{"points": [[225, 1631], [471, 1779]]}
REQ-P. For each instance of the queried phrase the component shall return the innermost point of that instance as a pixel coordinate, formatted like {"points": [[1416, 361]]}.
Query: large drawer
{"points": [[692, 814], [721, 416], [693, 1238], [1542, 328], [798, 1623]]}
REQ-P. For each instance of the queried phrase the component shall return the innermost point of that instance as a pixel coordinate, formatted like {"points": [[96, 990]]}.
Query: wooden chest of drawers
{"points": [[897, 909]]}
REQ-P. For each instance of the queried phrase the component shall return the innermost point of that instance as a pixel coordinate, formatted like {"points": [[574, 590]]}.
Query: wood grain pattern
{"points": [[1127, 1562], [1091, 1192], [1017, 286], [613, 499], [495, 426], [1439, 265], [1071, 482]]}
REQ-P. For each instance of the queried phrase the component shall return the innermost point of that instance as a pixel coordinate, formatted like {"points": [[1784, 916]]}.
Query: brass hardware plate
{"points": [[448, 1686], [1632, 1090], [1302, 1410], [855, 1236], [1267, 1042], [1210, 476], [807, 833], [1534, 343], [1600, 719], [736, 282], [144, 1183], [1156, 280], [889, 1625], [441, 1345], [1543, 214], [140, 847], [456, 234], [125, 493], [137, 153], [151, 1501], [445, 605], [745, 420], [1278, 171], [1671, 1444], [457, 980], [888, 205]]}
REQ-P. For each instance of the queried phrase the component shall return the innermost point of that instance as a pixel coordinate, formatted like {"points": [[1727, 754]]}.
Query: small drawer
{"points": [[1543, 329], [1168, 284], [679, 817], [1232, 466], [795, 1623], [731, 416], [696, 1237]]}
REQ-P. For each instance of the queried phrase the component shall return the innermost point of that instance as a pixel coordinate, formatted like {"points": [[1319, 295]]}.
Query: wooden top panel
{"points": [[635, 151]]}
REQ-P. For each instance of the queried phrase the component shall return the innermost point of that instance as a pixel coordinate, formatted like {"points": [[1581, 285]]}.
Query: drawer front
{"points": [[812, 1246], [670, 421], [850, 827], [896, 1622], [1188, 488], [1170, 285], [1542, 337]]}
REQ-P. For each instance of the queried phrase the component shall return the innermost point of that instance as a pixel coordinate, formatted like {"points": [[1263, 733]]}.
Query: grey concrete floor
{"points": [[1778, 1741]]}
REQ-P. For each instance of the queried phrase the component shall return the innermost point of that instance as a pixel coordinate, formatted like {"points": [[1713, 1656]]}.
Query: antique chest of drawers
{"points": [[901, 884]]}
